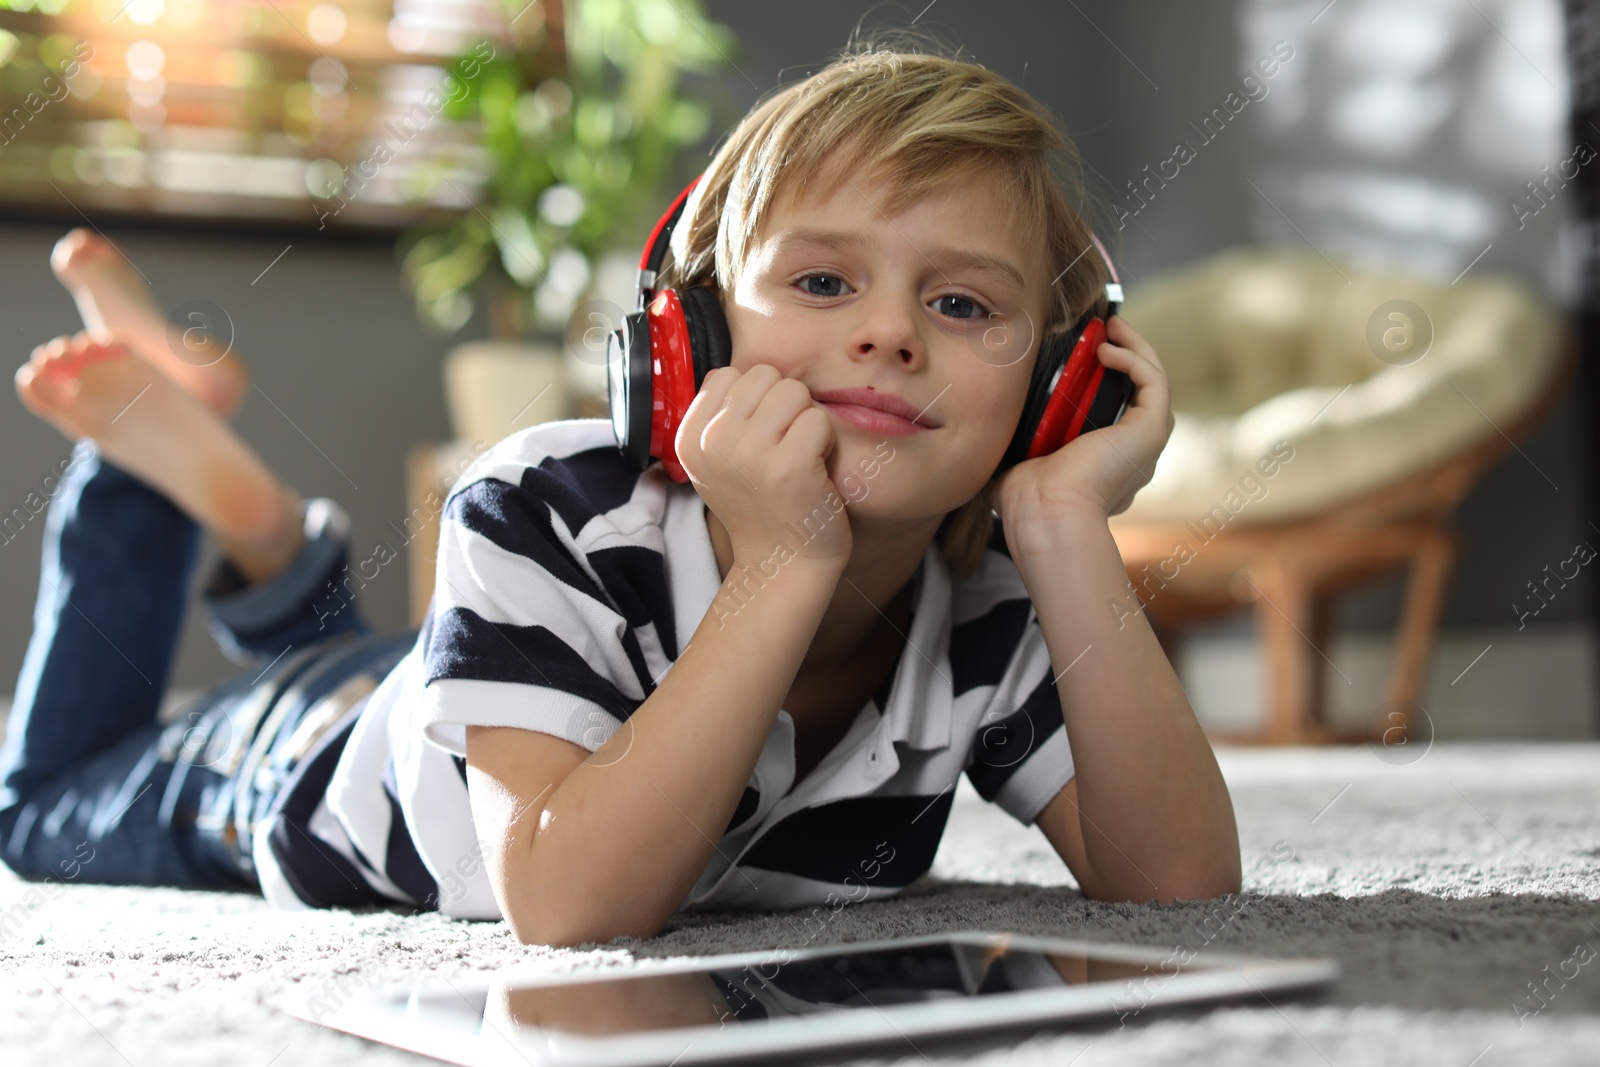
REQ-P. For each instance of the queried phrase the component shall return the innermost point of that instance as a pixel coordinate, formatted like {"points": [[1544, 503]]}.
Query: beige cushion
{"points": [[1257, 343]]}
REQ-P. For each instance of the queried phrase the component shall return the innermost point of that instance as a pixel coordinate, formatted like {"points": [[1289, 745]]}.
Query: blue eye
{"points": [[833, 280], [964, 307]]}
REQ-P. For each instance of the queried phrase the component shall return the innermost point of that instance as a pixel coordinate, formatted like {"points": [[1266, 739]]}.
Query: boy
{"points": [[577, 721]]}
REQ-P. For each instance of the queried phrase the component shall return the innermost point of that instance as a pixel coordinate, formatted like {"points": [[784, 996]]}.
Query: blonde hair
{"points": [[917, 120]]}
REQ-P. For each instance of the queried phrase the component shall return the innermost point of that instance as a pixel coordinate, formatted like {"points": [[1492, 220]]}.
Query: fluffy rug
{"points": [[1448, 886]]}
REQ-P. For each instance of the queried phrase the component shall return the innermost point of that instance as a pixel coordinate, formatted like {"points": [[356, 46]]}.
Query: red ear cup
{"points": [[672, 378], [1087, 396], [657, 362], [698, 317], [1068, 394]]}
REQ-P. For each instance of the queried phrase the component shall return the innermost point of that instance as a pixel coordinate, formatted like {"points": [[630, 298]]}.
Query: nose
{"points": [[888, 324]]}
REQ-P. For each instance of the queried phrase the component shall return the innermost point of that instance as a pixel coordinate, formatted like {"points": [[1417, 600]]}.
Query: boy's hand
{"points": [[1097, 472], [755, 445]]}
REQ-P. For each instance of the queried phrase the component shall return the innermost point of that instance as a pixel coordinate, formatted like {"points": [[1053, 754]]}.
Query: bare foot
{"points": [[117, 308], [156, 431]]}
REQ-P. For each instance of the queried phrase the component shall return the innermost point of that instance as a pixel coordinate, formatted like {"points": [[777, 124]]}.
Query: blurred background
{"points": [[416, 218]]}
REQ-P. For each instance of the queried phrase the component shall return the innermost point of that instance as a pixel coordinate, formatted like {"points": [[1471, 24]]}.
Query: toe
{"points": [[38, 392], [48, 354], [84, 351], [56, 347], [65, 248], [23, 382], [66, 357], [77, 247]]}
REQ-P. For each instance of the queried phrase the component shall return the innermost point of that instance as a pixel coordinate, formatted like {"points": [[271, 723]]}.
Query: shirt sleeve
{"points": [[522, 632], [1020, 758]]}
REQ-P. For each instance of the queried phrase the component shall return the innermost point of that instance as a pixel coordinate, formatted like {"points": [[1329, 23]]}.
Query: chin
{"points": [[895, 502]]}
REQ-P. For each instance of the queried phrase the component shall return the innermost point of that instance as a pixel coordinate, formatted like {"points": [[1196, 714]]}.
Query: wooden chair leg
{"points": [[1283, 614], [1320, 632], [1419, 616]]}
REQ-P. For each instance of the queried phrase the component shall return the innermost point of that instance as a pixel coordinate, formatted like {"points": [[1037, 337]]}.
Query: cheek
{"points": [[1007, 342], [993, 401], [751, 335], [753, 351], [747, 301], [758, 340]]}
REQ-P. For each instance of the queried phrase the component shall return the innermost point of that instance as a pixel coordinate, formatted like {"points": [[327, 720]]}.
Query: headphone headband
{"points": [[655, 249]]}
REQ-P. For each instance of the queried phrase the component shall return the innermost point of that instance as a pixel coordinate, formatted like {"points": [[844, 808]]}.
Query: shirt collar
{"points": [[921, 701], [691, 561]]}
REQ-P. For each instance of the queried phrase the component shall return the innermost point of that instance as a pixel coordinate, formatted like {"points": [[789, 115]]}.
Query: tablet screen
{"points": [[785, 987]]}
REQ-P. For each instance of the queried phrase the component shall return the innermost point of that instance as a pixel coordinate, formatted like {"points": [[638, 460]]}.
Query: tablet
{"points": [[778, 1001]]}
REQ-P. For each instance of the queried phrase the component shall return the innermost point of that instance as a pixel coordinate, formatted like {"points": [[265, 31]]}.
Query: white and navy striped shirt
{"points": [[567, 582]]}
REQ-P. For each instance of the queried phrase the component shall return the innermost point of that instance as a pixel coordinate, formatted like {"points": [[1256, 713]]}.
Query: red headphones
{"points": [[657, 360]]}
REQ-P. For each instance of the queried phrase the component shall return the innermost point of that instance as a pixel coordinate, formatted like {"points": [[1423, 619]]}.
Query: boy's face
{"points": [[941, 306]]}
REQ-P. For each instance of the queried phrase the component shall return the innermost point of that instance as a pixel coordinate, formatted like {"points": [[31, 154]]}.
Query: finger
{"points": [[717, 382], [1152, 391], [778, 408], [710, 399], [1133, 364], [746, 393], [810, 435], [728, 422], [1139, 346], [1127, 337], [706, 403]]}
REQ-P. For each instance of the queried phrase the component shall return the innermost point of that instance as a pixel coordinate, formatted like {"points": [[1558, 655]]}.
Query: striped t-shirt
{"points": [[567, 583]]}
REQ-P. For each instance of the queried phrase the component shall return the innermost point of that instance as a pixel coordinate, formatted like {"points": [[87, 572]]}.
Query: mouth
{"points": [[876, 412]]}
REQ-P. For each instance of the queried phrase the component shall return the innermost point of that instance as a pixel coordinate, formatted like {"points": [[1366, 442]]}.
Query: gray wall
{"points": [[333, 340]]}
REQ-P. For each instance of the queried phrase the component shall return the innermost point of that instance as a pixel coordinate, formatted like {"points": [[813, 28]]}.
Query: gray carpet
{"points": [[1443, 885]]}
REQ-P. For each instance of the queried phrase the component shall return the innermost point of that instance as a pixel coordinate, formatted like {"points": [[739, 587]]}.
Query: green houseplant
{"points": [[581, 118]]}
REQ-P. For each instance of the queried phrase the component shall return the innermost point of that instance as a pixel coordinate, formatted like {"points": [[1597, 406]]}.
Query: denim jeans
{"points": [[92, 786]]}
